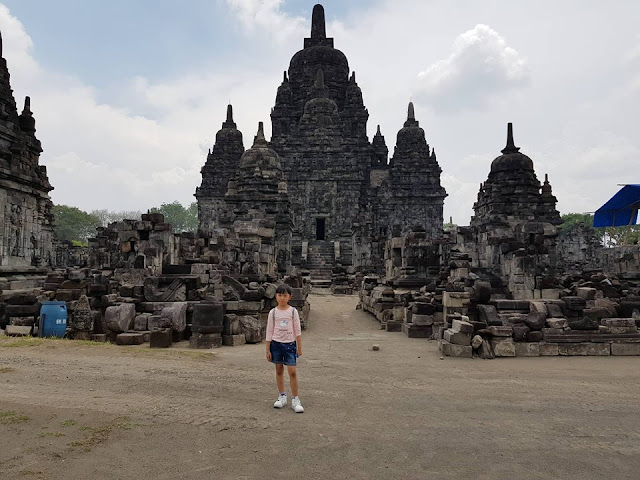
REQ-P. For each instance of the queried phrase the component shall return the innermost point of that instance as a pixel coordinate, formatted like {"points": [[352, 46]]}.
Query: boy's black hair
{"points": [[284, 288]]}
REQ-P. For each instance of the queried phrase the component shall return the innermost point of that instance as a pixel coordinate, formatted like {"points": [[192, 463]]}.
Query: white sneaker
{"points": [[280, 402], [296, 405]]}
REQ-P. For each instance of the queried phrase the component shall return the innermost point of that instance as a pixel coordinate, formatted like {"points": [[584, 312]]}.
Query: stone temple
{"points": [[346, 195], [26, 221]]}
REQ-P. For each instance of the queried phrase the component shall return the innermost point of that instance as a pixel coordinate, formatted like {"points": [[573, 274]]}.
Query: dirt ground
{"points": [[75, 410]]}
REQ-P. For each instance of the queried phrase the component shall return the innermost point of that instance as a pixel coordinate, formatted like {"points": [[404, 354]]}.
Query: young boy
{"points": [[284, 345]]}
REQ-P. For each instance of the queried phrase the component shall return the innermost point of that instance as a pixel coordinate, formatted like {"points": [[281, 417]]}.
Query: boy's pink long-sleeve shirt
{"points": [[283, 325]]}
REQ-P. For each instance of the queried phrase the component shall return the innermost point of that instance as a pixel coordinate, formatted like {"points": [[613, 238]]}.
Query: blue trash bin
{"points": [[53, 319]]}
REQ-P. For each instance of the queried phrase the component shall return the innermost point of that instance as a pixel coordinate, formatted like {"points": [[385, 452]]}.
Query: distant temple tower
{"points": [[26, 221]]}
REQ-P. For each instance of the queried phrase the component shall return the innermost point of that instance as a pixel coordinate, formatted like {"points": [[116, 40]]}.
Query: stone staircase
{"points": [[320, 261]]}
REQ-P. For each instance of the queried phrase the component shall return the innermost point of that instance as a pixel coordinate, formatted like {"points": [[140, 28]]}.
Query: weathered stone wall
{"points": [[26, 221]]}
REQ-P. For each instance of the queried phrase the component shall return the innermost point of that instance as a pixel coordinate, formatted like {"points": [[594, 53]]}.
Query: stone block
{"points": [[557, 323], [457, 338], [618, 322], [140, 323], [412, 330], [525, 349], [253, 329], [503, 347], [476, 342], [453, 350], [130, 338], [538, 307], [485, 350], [234, 340], [392, 326], [535, 336], [625, 349], [554, 311], [549, 349], [582, 349], [489, 315], [99, 337], [535, 320], [21, 310], [500, 331], [418, 319], [161, 338], [120, 318], [587, 293], [520, 333], [17, 331], [176, 313], [23, 321], [157, 322], [461, 326], [420, 308], [575, 303], [453, 300], [619, 330], [205, 340], [67, 295]]}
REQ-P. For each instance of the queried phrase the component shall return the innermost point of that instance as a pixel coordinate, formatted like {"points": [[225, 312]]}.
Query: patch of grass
{"points": [[20, 342], [69, 423], [12, 418], [51, 434], [6, 369]]}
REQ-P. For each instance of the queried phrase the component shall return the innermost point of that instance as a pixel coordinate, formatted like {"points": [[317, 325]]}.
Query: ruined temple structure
{"points": [[346, 197], [512, 237], [25, 208]]}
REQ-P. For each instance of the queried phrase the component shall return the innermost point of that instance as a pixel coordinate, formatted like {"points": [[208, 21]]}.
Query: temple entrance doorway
{"points": [[320, 228]]}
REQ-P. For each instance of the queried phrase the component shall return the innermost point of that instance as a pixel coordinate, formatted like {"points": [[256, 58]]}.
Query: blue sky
{"points": [[128, 97]]}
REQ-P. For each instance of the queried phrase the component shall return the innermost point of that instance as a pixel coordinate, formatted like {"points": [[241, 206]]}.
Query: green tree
{"points": [[571, 220], [74, 225], [181, 219]]}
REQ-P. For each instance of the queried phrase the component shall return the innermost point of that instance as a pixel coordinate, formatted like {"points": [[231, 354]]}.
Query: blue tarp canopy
{"points": [[620, 210]]}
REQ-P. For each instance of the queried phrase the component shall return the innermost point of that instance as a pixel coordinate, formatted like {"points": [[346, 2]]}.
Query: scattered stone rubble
{"points": [[195, 302]]}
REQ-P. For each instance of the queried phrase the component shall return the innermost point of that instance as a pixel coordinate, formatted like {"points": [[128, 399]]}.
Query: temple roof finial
{"points": [[0, 44], [378, 132], [318, 25], [412, 112], [285, 79], [27, 105], [511, 146], [230, 113]]}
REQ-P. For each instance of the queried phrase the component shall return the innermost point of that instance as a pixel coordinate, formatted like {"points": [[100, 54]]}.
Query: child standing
{"points": [[284, 345]]}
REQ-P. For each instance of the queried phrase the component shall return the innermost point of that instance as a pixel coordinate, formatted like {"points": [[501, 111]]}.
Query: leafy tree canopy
{"points": [[74, 225], [181, 219]]}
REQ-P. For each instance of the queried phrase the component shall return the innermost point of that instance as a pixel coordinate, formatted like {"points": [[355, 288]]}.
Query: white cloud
{"points": [[480, 67], [267, 16]]}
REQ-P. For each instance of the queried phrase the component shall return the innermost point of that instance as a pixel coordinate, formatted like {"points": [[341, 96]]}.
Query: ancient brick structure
{"points": [[514, 226], [25, 208], [345, 196], [221, 166]]}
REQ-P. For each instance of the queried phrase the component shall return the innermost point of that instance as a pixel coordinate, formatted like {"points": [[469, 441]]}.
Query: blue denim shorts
{"points": [[285, 353]]}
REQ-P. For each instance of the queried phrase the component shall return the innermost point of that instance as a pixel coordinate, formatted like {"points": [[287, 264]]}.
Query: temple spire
{"points": [[285, 79], [0, 44], [511, 146], [378, 132], [412, 112], [25, 120], [318, 24], [27, 105], [260, 138], [229, 123]]}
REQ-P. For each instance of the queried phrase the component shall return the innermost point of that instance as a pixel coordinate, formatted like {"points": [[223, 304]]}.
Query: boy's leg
{"points": [[280, 377], [293, 380]]}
